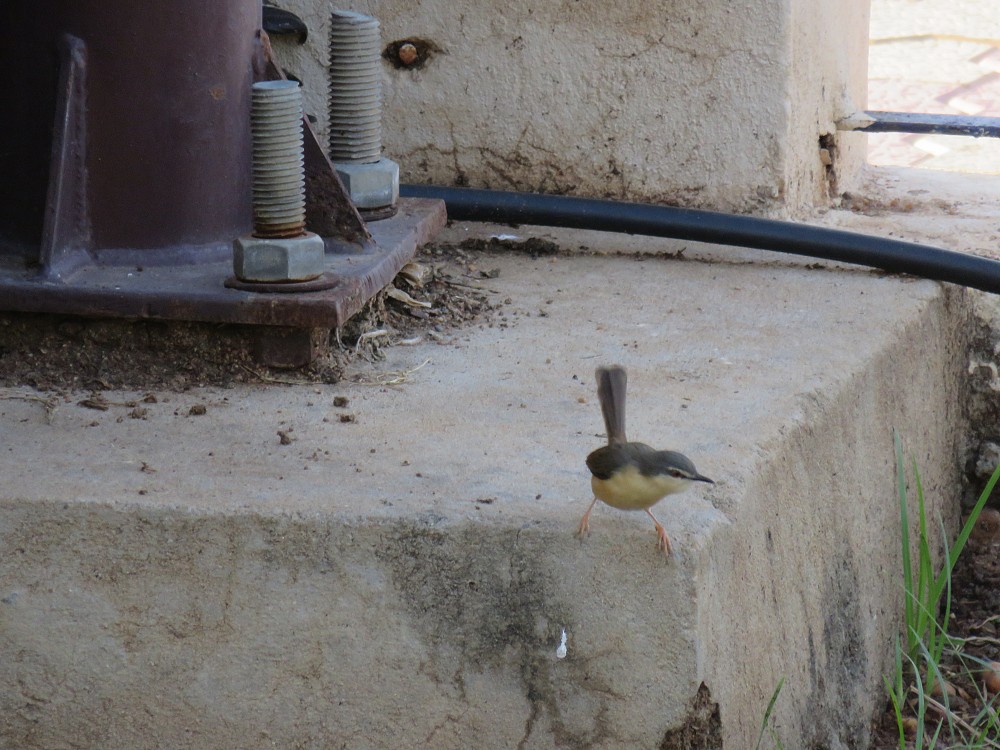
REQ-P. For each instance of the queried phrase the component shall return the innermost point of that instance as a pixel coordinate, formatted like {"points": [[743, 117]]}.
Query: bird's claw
{"points": [[584, 527], [664, 541]]}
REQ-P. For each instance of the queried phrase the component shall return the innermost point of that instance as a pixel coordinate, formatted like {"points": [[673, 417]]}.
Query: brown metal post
{"points": [[167, 152]]}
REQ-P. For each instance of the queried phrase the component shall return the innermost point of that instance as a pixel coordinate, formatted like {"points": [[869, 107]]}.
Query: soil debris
{"points": [[57, 352], [449, 296], [536, 247], [96, 401], [871, 206]]}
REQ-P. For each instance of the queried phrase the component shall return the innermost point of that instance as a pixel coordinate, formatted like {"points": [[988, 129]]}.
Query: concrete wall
{"points": [[828, 79], [710, 104]]}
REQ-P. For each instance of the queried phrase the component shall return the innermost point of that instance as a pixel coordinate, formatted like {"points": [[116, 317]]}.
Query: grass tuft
{"points": [[918, 687]]}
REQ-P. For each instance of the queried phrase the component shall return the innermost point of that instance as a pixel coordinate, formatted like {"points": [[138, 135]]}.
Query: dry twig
{"points": [[393, 377], [50, 403]]}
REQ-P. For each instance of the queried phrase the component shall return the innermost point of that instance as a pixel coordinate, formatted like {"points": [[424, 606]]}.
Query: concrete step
{"points": [[404, 579]]}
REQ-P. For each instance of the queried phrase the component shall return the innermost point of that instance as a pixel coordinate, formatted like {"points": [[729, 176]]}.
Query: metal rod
{"points": [[922, 122]]}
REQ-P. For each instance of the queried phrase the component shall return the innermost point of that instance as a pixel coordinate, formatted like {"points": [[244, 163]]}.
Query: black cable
{"points": [[894, 256]]}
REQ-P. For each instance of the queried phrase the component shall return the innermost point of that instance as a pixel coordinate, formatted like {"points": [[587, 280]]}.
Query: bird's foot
{"points": [[584, 527], [664, 541]]}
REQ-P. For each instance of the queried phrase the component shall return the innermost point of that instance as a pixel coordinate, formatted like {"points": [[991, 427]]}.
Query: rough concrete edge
{"points": [[982, 450], [830, 701]]}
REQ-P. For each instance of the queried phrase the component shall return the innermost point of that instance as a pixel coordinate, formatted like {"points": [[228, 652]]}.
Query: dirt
{"points": [[914, 202], [58, 352], [702, 728], [976, 620], [536, 247]]}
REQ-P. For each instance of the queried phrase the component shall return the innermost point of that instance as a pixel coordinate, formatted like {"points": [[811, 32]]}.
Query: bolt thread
{"points": [[355, 88], [279, 187]]}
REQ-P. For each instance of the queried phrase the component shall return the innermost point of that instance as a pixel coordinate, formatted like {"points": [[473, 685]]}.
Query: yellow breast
{"points": [[628, 489]]}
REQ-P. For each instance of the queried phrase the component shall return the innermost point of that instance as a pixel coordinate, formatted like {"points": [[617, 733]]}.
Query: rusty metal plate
{"points": [[160, 288]]}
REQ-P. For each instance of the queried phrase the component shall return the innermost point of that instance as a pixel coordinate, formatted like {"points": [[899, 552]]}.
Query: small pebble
{"points": [[991, 676], [987, 528], [948, 688]]}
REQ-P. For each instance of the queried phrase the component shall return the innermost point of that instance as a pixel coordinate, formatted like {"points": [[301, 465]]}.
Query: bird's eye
{"points": [[675, 473]]}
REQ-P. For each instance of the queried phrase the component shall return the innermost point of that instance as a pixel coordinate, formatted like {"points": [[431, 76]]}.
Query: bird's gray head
{"points": [[679, 466]]}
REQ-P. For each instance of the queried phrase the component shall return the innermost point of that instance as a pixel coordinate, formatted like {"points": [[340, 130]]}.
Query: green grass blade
{"points": [[927, 604], [896, 691], [945, 609], [936, 677], [904, 522], [768, 712], [921, 705]]}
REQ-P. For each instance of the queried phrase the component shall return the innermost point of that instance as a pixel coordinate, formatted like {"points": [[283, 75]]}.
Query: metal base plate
{"points": [[198, 292]]}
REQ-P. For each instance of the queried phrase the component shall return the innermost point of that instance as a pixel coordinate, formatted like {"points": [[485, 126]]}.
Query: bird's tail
{"points": [[611, 383]]}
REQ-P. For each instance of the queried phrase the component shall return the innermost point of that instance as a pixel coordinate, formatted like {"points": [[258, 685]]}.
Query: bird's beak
{"points": [[700, 478]]}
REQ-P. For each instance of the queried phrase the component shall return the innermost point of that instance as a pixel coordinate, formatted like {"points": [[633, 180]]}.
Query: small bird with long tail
{"points": [[632, 476]]}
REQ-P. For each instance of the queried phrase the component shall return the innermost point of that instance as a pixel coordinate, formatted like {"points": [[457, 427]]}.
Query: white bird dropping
{"points": [[561, 651]]}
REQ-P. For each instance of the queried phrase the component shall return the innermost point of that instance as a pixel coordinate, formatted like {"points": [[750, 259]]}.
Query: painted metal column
{"points": [[166, 145]]}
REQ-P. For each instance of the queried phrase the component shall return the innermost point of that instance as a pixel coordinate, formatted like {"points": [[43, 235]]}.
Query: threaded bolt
{"points": [[279, 192], [370, 179], [355, 88]]}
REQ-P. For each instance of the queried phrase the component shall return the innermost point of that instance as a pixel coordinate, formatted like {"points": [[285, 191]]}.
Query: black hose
{"points": [[894, 256]]}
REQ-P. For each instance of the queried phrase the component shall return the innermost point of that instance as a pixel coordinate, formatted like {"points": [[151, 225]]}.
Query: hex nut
{"points": [[276, 260], [373, 185]]}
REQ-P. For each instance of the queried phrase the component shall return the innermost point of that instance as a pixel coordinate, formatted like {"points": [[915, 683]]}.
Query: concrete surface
{"points": [[403, 580], [715, 104], [935, 56]]}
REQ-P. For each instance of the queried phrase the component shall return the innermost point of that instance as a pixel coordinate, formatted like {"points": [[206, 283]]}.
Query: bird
{"points": [[628, 475]]}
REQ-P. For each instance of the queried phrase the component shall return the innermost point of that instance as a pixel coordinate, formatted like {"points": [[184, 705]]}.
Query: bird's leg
{"points": [[664, 542], [585, 521]]}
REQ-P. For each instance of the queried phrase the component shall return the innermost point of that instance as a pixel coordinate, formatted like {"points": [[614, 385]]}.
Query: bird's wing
{"points": [[605, 461]]}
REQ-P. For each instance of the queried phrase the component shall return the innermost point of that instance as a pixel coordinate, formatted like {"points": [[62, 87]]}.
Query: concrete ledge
{"points": [[403, 580]]}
